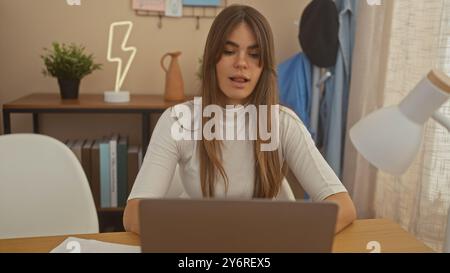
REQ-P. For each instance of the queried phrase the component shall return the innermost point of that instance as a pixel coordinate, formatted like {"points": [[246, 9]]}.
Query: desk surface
{"points": [[391, 236], [87, 101]]}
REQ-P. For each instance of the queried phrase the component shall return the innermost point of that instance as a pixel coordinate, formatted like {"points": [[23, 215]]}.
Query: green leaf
{"points": [[68, 61]]}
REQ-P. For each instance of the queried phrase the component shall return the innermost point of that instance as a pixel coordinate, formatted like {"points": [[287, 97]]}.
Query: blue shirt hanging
{"points": [[333, 110], [294, 83]]}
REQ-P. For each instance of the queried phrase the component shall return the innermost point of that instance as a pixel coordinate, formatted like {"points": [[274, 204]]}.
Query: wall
{"points": [[26, 27]]}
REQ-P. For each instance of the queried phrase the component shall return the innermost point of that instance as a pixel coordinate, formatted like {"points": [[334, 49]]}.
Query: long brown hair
{"points": [[268, 170]]}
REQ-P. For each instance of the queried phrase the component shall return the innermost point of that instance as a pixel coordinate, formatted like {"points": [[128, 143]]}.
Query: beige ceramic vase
{"points": [[174, 89]]}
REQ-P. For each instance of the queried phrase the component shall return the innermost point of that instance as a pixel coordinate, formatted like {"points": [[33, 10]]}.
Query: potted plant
{"points": [[69, 64]]}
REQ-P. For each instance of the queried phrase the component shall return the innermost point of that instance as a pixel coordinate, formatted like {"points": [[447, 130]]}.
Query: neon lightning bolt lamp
{"points": [[117, 95]]}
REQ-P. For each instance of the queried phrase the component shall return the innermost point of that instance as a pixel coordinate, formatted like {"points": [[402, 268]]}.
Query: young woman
{"points": [[238, 69]]}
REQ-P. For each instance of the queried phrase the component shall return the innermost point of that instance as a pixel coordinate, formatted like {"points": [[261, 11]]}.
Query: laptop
{"points": [[236, 226]]}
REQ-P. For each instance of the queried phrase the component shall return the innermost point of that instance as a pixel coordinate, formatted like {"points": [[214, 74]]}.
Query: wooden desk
{"points": [[390, 235], [86, 103]]}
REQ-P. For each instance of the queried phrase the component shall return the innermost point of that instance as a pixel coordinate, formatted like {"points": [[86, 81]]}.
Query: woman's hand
{"points": [[131, 216], [346, 213]]}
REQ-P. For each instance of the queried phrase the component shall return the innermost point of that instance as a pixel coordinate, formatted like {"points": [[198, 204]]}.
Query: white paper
{"points": [[78, 245], [174, 8]]}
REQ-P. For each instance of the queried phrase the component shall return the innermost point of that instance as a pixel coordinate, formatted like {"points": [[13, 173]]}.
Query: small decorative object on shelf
{"points": [[174, 88], [69, 64], [118, 96]]}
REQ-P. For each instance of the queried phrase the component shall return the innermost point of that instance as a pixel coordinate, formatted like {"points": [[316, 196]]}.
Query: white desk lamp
{"points": [[118, 96], [390, 138]]}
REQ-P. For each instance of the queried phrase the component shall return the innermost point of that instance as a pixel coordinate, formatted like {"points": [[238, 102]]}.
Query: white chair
{"points": [[43, 189]]}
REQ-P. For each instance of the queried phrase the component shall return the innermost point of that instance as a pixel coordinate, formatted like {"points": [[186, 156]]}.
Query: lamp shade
{"points": [[390, 138]]}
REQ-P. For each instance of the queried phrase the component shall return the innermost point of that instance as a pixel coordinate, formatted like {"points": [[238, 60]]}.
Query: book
{"points": [[86, 159], [69, 143], [95, 172], [140, 157], [113, 169], [76, 147], [133, 165], [105, 175], [122, 171]]}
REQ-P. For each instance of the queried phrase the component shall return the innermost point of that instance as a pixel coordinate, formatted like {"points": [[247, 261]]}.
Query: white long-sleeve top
{"points": [[296, 147]]}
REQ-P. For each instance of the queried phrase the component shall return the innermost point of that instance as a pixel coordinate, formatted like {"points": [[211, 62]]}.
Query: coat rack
{"points": [[196, 12]]}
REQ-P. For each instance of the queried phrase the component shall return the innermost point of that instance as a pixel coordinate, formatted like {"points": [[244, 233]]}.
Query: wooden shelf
{"points": [[86, 102], [40, 103]]}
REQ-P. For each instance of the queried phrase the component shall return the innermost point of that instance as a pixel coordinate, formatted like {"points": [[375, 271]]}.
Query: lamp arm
{"points": [[441, 119]]}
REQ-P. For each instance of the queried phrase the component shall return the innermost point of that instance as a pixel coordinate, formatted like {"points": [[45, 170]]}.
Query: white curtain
{"points": [[366, 95], [417, 39]]}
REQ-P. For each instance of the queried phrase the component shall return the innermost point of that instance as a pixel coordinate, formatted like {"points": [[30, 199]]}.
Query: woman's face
{"points": [[238, 70]]}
